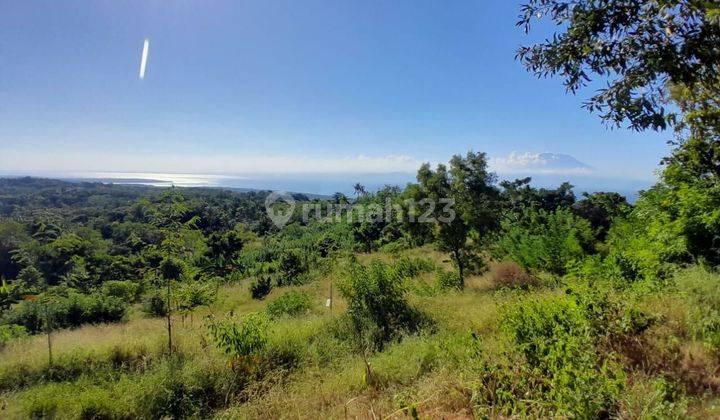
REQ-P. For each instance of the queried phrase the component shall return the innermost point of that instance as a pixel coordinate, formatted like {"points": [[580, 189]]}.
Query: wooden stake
{"points": [[169, 325], [47, 330]]}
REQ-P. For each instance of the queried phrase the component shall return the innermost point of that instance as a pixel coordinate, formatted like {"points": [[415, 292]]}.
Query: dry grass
{"points": [[508, 274], [323, 376]]}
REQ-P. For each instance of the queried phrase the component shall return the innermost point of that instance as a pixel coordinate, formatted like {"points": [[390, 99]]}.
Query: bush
{"points": [[376, 305], [11, 332], [406, 267], [243, 341], [510, 275], [643, 249], [557, 340], [446, 280], [396, 246], [292, 303], [261, 287], [172, 393], [155, 304], [291, 269], [679, 219], [68, 311], [128, 291], [192, 294], [173, 389], [545, 241], [701, 292]]}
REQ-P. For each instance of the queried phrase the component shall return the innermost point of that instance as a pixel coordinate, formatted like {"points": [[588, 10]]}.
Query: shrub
{"points": [[192, 294], [376, 305], [406, 267], [679, 219], [71, 310], [174, 388], [510, 275], [261, 287], [11, 332], [446, 280], [155, 304], [243, 341], [643, 247], [395, 247], [556, 339], [291, 268], [128, 291], [540, 240], [292, 303], [701, 292], [656, 398]]}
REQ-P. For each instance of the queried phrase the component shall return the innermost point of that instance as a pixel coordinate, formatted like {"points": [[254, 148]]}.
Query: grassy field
{"points": [[310, 370]]}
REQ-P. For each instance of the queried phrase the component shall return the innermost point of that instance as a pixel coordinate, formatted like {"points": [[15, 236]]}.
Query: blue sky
{"points": [[284, 87]]}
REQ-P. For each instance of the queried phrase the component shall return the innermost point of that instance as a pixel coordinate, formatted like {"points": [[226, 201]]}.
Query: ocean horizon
{"points": [[315, 184]]}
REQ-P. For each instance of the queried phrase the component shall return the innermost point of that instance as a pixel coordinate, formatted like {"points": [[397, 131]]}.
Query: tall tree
{"points": [[697, 152], [639, 46], [650, 52], [464, 203]]}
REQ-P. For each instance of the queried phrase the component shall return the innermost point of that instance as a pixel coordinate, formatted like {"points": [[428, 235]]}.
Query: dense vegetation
{"points": [[134, 302]]}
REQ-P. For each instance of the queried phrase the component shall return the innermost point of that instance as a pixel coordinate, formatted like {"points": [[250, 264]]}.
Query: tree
{"points": [[224, 248], [546, 241], [518, 195], [12, 236], [464, 202], [171, 270], [8, 295], [194, 294], [290, 268], [30, 279], [651, 52], [600, 209], [639, 46], [56, 257], [359, 190], [377, 307], [45, 232], [76, 274], [697, 153], [339, 198]]}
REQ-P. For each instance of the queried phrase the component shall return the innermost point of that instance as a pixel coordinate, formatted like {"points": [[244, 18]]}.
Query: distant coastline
{"points": [[320, 185]]}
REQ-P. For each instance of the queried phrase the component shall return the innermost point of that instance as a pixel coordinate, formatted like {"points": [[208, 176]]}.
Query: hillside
{"points": [[309, 370], [526, 303]]}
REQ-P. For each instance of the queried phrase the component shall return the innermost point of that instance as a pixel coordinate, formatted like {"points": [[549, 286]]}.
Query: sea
{"points": [[318, 184]]}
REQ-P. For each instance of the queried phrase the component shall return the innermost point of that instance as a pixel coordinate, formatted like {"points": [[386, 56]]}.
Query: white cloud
{"points": [[226, 164], [539, 163], [126, 162]]}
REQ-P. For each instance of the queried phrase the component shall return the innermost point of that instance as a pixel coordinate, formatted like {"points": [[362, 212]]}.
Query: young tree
{"points": [[463, 201], [224, 247], [8, 295], [171, 270], [195, 294]]}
